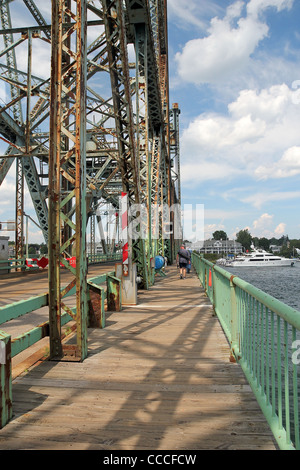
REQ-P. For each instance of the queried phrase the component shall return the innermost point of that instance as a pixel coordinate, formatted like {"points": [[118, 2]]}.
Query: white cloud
{"points": [[222, 214], [280, 229], [255, 7], [261, 198], [229, 45], [288, 165], [215, 131], [264, 227], [209, 229], [258, 138], [192, 12], [268, 104], [234, 10], [212, 59], [265, 220], [7, 198], [193, 173]]}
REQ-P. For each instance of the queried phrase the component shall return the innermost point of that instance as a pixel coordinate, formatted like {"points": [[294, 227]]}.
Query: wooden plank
{"points": [[155, 378]]}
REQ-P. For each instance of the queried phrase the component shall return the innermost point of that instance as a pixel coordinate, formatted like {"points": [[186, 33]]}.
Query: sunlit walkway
{"points": [[157, 377]]}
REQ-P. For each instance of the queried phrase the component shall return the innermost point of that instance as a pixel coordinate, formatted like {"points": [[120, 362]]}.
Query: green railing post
{"points": [[233, 321], [214, 290], [96, 312], [114, 293], [5, 379]]}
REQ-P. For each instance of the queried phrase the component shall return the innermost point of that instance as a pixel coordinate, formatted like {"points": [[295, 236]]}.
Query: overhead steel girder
{"points": [[121, 94], [90, 98], [120, 83], [97, 61], [175, 149], [15, 135], [153, 13], [139, 13], [146, 26], [111, 167], [38, 116]]}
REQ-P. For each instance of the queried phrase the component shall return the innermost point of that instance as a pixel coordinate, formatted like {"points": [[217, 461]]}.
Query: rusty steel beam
{"points": [[129, 146], [68, 122], [115, 29]]}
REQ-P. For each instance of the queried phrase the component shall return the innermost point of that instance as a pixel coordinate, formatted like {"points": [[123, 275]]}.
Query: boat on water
{"points": [[259, 258]]}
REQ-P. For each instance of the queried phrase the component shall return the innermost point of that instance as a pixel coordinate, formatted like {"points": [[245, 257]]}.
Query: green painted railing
{"points": [[9, 265], [264, 335], [100, 287], [102, 258], [15, 264]]}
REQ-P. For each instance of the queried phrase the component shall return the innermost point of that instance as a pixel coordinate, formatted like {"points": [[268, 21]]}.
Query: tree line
{"points": [[34, 249], [244, 237]]}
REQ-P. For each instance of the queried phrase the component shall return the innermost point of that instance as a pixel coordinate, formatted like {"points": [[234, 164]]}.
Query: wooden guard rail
{"points": [[105, 286]]}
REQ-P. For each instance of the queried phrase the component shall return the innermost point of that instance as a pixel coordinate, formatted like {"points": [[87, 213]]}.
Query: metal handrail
{"points": [[11, 263], [264, 336]]}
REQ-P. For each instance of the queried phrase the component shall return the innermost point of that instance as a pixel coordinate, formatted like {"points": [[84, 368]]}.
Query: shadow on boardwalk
{"points": [[158, 377]]}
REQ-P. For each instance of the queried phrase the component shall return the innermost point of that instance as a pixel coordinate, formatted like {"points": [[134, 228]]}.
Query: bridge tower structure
{"points": [[85, 120]]}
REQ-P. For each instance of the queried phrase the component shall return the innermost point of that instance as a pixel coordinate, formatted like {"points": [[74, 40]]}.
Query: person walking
{"points": [[189, 263], [183, 256]]}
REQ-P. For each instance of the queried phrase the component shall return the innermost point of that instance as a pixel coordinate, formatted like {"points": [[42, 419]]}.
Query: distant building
{"points": [[98, 248], [275, 248], [221, 247], [4, 247]]}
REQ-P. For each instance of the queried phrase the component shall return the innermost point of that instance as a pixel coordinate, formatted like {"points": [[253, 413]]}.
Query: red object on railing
{"points": [[72, 261], [43, 262], [209, 279]]}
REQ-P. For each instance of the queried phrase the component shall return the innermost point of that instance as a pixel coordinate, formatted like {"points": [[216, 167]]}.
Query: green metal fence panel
{"points": [[96, 296], [17, 309], [5, 379], [114, 293], [103, 258], [264, 334], [99, 287]]}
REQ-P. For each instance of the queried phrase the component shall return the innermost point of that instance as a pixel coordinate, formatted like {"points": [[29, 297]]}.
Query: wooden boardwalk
{"points": [[158, 377]]}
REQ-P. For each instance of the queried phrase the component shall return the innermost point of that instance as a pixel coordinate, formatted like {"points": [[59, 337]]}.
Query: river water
{"points": [[283, 283]]}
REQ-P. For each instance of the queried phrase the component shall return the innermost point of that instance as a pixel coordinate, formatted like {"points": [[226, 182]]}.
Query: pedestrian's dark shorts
{"points": [[182, 265]]}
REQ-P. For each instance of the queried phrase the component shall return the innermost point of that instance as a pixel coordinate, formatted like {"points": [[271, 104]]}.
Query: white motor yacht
{"points": [[260, 258]]}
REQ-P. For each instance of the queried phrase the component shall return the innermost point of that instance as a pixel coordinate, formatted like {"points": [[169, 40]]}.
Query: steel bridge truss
{"points": [[95, 123]]}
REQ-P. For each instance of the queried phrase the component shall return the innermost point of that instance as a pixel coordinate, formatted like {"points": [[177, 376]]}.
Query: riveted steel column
{"points": [[143, 139], [67, 121], [115, 30], [19, 233], [54, 183], [80, 184]]}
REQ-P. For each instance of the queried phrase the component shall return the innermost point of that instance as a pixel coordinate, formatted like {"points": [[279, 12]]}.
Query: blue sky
{"points": [[235, 72]]}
